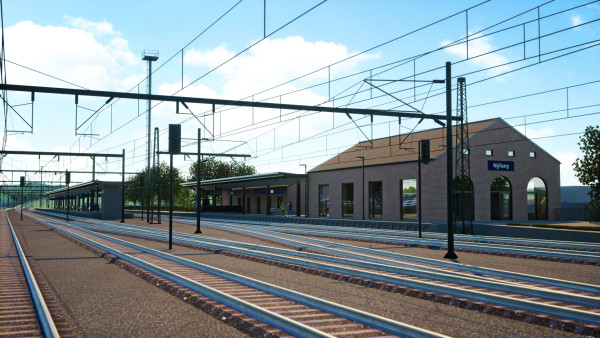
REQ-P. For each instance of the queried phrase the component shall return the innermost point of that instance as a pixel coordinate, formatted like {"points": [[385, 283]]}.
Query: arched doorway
{"points": [[462, 188], [537, 199], [501, 199]]}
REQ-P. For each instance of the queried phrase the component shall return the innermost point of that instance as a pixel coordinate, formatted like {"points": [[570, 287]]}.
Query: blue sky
{"points": [[98, 45]]}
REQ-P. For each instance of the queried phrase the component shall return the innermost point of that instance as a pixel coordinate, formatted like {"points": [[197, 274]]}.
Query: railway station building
{"points": [[511, 179], [254, 194]]}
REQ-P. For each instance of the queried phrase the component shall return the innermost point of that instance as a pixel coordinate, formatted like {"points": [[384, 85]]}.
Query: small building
{"points": [[95, 199], [511, 178], [254, 194]]}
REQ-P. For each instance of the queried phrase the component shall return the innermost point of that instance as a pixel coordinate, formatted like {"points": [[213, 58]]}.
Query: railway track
{"points": [[575, 255], [286, 312], [562, 299], [23, 311], [567, 245]]}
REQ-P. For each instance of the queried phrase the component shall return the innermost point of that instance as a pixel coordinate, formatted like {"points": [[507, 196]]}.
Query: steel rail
{"points": [[43, 314], [330, 247], [358, 316], [513, 249], [526, 305], [409, 233], [283, 255], [370, 256]]}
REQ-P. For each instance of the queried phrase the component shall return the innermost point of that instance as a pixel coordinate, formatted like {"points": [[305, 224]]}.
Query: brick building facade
{"points": [[511, 178]]}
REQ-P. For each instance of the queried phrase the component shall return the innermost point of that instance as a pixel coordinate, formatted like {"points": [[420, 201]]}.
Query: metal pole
{"points": [[67, 199], [198, 179], [419, 193], [158, 160], [149, 139], [363, 188], [170, 201], [142, 195], [21, 202], [123, 188], [450, 254], [305, 191]]}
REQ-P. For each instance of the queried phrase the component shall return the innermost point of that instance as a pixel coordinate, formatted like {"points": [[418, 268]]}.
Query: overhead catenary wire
{"points": [[96, 142]]}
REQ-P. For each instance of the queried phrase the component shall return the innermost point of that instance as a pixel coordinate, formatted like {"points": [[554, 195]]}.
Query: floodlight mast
{"points": [[150, 56]]}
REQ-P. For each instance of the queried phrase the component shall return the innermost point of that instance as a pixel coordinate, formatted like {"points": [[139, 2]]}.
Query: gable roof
{"points": [[388, 150]]}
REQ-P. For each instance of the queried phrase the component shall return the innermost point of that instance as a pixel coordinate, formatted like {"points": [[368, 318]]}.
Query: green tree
{"points": [[587, 169], [213, 168], [133, 188]]}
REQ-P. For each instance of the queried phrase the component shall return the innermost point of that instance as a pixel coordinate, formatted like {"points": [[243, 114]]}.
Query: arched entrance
{"points": [[501, 199], [537, 199], [462, 188]]}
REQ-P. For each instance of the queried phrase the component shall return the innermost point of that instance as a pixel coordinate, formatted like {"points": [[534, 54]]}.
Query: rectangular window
{"points": [[465, 151], [324, 200], [347, 200], [532, 154], [408, 199], [375, 199], [489, 152], [511, 153]]}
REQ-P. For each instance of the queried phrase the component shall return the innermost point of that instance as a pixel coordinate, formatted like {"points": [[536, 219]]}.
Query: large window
{"points": [[375, 199], [501, 199], [408, 199], [324, 200], [537, 202], [347, 200]]}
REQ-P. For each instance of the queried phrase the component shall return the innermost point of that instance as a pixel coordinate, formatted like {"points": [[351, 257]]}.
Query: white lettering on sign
{"points": [[500, 166]]}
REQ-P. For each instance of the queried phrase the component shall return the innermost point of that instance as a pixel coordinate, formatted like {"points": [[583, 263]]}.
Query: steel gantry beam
{"points": [[62, 172], [52, 153], [135, 96]]}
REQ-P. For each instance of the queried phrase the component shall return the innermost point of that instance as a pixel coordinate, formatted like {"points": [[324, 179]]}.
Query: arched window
{"points": [[537, 199], [463, 198], [501, 199]]}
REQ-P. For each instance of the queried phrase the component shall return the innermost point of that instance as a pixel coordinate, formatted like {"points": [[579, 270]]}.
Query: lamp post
{"points": [[363, 185], [305, 191]]}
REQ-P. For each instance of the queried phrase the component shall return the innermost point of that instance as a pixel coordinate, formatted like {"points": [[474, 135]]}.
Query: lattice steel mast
{"points": [[462, 182]]}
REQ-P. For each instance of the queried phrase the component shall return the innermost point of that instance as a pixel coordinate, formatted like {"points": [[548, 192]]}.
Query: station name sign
{"points": [[501, 165]]}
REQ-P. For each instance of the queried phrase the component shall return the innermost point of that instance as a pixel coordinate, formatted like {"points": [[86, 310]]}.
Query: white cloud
{"points": [[71, 54], [567, 174], [479, 45], [98, 28], [576, 20], [533, 133], [269, 63], [210, 57], [277, 60]]}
